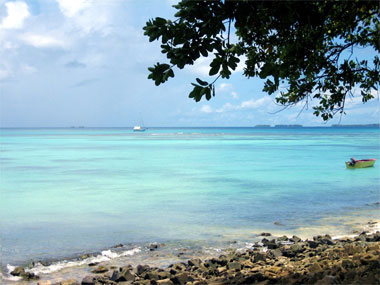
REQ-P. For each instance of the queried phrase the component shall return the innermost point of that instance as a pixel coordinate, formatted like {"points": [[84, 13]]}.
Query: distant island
{"points": [[332, 126], [357, 126]]}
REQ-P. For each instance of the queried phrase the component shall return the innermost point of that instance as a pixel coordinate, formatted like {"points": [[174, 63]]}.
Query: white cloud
{"points": [[234, 95], [254, 104], [71, 8], [28, 69], [227, 87], [4, 74], [245, 105], [201, 66], [227, 107], [224, 87], [42, 41], [88, 16], [206, 109], [17, 12]]}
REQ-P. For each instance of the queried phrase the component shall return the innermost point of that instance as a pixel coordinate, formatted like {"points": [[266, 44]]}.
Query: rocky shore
{"points": [[283, 260]]}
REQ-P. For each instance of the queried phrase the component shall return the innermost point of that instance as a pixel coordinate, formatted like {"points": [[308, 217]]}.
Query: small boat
{"points": [[353, 163], [138, 129]]}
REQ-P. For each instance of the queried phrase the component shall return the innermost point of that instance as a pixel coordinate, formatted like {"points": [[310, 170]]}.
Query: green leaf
{"points": [[201, 82]]}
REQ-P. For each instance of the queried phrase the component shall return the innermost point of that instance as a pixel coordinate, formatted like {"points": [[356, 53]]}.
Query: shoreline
{"points": [[154, 254]]}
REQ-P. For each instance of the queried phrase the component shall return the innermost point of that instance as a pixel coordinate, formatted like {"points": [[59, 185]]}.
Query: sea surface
{"points": [[64, 192]]}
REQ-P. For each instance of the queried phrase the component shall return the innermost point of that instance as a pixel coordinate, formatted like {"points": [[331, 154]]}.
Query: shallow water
{"points": [[69, 191]]}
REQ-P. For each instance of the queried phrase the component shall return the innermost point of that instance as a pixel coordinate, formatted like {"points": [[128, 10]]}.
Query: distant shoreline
{"points": [[261, 126]]}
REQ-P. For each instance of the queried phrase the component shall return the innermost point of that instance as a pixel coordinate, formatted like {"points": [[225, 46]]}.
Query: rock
{"points": [[276, 252], [28, 276], [93, 264], [278, 224], [163, 275], [166, 281], [270, 244], [312, 244], [265, 234], [182, 278], [104, 280], [295, 239], [88, 280], [292, 250], [195, 262], [152, 275], [283, 238], [18, 271], [153, 246], [257, 256], [142, 268], [274, 269], [124, 274], [234, 266], [69, 282], [100, 269], [45, 282], [315, 267], [117, 245]]}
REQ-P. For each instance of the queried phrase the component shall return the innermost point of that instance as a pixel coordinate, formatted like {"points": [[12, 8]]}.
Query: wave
{"points": [[39, 268]]}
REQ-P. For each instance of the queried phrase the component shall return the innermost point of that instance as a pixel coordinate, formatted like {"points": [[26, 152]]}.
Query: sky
{"points": [[84, 63]]}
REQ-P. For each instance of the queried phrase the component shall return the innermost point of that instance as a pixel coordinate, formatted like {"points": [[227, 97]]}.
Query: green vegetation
{"points": [[305, 50]]}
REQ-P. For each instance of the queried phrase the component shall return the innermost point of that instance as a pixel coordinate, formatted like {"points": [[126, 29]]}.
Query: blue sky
{"points": [[84, 63]]}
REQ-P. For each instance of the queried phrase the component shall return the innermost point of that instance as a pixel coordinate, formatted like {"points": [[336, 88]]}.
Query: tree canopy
{"points": [[304, 50]]}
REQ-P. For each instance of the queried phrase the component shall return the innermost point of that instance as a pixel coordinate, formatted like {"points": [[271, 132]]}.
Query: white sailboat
{"points": [[139, 128]]}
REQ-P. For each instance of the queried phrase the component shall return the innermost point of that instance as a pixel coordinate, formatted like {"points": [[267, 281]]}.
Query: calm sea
{"points": [[66, 191]]}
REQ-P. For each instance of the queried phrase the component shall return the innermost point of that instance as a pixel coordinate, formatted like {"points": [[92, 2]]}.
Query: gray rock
{"points": [[69, 282], [295, 239], [195, 262], [142, 268], [182, 278], [166, 281], [18, 271], [312, 244], [100, 269], [283, 238], [234, 266], [122, 275], [88, 280]]}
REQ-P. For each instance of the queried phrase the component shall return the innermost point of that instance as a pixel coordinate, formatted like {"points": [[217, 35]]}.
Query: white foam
{"points": [[105, 255]]}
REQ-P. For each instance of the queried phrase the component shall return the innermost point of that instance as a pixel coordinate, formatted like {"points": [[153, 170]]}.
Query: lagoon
{"points": [[69, 191]]}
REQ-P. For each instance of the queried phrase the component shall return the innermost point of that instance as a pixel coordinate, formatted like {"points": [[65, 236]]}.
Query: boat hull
{"points": [[361, 163]]}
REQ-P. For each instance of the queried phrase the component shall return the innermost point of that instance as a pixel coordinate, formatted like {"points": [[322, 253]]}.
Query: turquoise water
{"points": [[66, 191]]}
